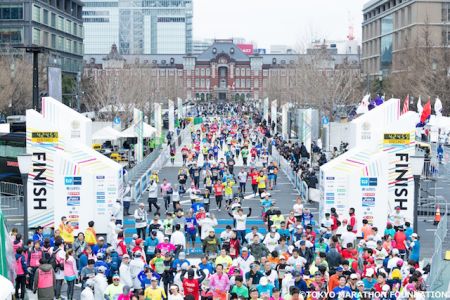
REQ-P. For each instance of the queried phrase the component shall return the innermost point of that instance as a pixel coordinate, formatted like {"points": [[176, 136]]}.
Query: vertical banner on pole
{"points": [[266, 109], [284, 121], [180, 108], [158, 120], [273, 114], [138, 122], [171, 116], [306, 128]]}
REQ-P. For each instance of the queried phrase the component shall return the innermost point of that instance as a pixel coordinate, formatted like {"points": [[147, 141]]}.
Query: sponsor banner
{"points": [[44, 137], [397, 138]]}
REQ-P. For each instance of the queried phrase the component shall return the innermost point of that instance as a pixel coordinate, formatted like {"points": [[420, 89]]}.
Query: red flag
{"points": [[405, 105], [426, 113]]}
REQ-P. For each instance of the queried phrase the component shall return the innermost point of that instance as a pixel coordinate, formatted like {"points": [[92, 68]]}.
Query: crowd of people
{"points": [[298, 255]]}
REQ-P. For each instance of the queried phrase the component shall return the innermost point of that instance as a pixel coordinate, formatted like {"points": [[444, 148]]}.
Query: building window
{"points": [[202, 72], [11, 12], [60, 24], [208, 84], [53, 45], [208, 72], [386, 53], [242, 72], [238, 83], [238, 72], [197, 83], [202, 83], [60, 43], [36, 36], [197, 72], [162, 72], [247, 72], [265, 73], [248, 85], [53, 20], [11, 36], [36, 13], [45, 39], [256, 73]]}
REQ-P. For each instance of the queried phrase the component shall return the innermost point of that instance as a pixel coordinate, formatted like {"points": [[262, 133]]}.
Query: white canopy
{"points": [[112, 109], [107, 134], [149, 131]]}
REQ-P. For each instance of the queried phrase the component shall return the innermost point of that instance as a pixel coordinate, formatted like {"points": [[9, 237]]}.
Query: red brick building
{"points": [[222, 71]]}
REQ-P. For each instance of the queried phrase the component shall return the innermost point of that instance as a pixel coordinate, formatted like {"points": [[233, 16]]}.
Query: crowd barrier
{"points": [[157, 163], [306, 193], [434, 279], [11, 189]]}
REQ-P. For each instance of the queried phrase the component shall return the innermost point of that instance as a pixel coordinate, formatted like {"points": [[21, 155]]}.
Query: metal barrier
{"points": [[11, 189], [155, 161], [433, 280], [12, 208], [293, 177], [430, 169]]}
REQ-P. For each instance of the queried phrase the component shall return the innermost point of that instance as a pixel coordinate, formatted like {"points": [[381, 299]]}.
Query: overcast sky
{"points": [[285, 22]]}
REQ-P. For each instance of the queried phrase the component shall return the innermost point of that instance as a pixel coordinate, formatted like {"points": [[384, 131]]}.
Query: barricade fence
{"points": [[155, 163], [434, 281], [294, 178], [12, 208], [11, 189]]}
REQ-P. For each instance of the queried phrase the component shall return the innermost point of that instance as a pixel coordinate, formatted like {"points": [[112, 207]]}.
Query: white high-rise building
{"points": [[138, 26]]}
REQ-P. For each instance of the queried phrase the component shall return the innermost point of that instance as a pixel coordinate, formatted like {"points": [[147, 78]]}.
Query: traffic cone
{"points": [[437, 215]]}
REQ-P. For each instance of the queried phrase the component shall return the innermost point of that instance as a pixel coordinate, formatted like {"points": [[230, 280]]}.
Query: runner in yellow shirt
{"points": [[262, 182], [154, 292]]}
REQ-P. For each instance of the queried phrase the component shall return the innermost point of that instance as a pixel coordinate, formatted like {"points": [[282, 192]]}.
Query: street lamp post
{"points": [[417, 162], [25, 162]]}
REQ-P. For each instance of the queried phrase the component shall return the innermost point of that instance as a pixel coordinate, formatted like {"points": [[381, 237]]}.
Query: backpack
{"points": [[55, 264]]}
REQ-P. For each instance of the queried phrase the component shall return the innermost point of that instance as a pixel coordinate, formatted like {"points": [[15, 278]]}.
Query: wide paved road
{"points": [[284, 195]]}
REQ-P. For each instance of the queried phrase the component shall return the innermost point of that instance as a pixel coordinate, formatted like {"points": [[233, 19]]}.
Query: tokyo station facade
{"points": [[221, 72]]}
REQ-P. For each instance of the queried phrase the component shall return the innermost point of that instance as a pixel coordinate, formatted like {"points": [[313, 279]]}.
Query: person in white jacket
{"points": [[88, 292], [141, 219], [124, 271], [136, 266], [207, 225], [100, 283], [153, 196]]}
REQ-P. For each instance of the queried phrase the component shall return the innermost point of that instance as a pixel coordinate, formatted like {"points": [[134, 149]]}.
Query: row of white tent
{"points": [[110, 134]]}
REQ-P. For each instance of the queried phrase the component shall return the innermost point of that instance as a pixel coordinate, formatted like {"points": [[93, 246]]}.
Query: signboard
{"points": [[44, 137], [246, 48], [55, 83], [397, 138], [68, 178], [260, 51]]}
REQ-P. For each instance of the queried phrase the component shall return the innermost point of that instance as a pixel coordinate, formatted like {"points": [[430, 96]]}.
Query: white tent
{"points": [[149, 131], [112, 109], [107, 134]]}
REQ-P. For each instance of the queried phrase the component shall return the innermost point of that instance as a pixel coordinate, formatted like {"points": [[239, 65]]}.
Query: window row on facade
{"points": [[44, 16], [57, 42], [11, 11]]}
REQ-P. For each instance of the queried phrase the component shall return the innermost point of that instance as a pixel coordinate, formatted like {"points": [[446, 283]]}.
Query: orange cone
{"points": [[437, 215]]}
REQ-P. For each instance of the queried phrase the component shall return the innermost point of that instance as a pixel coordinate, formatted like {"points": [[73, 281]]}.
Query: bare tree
{"points": [[422, 67], [16, 80], [316, 80]]}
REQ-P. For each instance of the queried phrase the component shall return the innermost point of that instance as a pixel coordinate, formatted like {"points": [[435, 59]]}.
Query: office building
{"points": [[391, 26], [54, 24], [138, 27]]}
